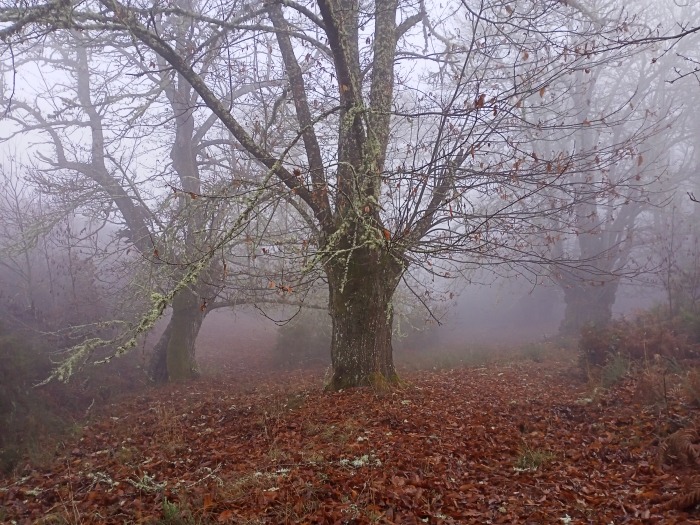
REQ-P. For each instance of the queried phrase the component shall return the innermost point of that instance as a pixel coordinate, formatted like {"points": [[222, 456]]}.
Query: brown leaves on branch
{"points": [[280, 287]]}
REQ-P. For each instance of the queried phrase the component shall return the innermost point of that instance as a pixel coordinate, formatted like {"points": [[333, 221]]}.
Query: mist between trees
{"points": [[367, 161]]}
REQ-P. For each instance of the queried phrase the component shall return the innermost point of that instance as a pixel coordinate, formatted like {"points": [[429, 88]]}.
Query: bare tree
{"points": [[48, 275], [160, 207], [413, 156], [609, 227]]}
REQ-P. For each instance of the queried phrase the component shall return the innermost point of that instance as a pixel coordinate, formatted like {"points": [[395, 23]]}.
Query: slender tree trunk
{"points": [[587, 304], [361, 310], [174, 355]]}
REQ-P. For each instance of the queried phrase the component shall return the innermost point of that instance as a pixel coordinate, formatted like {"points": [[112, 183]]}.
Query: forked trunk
{"points": [[587, 304], [174, 355], [361, 310]]}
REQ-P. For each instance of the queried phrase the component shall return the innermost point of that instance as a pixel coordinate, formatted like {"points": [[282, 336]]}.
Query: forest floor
{"points": [[515, 441]]}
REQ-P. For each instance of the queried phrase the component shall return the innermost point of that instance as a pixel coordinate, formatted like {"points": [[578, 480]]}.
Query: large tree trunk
{"points": [[174, 355], [361, 310], [587, 304]]}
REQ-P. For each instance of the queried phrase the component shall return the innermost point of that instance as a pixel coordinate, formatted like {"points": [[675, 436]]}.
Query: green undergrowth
{"points": [[654, 355], [644, 337], [533, 459], [28, 416]]}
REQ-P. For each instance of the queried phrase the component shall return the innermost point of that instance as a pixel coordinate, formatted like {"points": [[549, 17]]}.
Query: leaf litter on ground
{"points": [[517, 442]]}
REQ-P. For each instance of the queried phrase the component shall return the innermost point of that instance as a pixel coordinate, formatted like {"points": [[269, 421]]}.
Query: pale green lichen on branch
{"points": [[350, 115], [78, 355], [159, 302], [58, 14]]}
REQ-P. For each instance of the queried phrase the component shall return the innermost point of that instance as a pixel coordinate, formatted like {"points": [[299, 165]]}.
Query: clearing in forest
{"points": [[510, 442]]}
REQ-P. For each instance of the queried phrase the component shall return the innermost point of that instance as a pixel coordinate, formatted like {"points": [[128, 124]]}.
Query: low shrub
{"points": [[35, 420], [645, 336], [689, 322], [27, 415], [691, 387], [614, 370], [534, 352]]}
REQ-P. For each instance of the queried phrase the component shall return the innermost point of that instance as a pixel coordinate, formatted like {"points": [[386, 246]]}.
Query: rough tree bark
{"points": [[360, 294]]}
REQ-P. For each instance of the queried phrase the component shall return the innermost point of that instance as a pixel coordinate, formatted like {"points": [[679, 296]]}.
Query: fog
{"points": [[254, 196], [497, 317]]}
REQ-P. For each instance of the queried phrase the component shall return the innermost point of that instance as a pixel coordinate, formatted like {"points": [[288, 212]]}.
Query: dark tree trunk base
{"points": [[377, 381], [158, 367], [587, 305], [360, 294], [173, 356]]}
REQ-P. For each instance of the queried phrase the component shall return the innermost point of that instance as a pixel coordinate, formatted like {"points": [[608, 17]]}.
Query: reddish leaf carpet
{"points": [[517, 442]]}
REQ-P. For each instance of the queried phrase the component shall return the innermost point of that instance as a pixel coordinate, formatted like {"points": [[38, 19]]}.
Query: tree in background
{"points": [[48, 279], [610, 232], [135, 157], [606, 230]]}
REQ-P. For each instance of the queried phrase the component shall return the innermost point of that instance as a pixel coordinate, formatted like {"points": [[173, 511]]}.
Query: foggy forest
{"points": [[349, 261]]}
